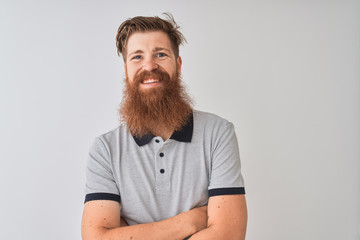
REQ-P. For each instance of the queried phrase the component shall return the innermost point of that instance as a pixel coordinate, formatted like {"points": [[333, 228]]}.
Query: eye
{"points": [[161, 55], [137, 57]]}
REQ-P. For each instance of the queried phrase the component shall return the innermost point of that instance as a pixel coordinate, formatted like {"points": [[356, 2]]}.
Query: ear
{"points": [[179, 63]]}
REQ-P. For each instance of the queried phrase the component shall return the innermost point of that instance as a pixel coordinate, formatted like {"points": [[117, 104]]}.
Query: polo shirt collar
{"points": [[183, 135]]}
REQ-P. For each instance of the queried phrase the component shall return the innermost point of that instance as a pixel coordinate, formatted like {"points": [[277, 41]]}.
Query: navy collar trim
{"points": [[183, 135]]}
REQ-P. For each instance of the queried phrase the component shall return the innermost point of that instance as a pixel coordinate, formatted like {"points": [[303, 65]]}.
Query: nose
{"points": [[150, 65]]}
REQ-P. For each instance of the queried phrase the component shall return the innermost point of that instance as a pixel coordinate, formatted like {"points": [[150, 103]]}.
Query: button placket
{"points": [[161, 171]]}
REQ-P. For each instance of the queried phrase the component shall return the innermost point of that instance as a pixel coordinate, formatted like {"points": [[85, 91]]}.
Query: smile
{"points": [[147, 81]]}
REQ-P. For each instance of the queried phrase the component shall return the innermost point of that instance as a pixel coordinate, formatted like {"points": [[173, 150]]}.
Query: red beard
{"points": [[163, 108]]}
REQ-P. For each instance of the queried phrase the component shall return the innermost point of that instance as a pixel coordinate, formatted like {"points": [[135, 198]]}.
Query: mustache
{"points": [[155, 74]]}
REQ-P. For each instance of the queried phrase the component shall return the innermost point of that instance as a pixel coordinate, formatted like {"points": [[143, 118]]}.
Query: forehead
{"points": [[148, 41]]}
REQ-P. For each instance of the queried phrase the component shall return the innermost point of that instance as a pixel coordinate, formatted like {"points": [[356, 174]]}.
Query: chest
{"points": [[162, 179]]}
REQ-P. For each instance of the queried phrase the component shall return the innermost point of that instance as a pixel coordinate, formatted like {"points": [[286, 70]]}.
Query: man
{"points": [[169, 171]]}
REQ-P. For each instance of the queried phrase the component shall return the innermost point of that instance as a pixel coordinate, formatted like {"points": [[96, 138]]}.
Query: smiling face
{"points": [[154, 100], [147, 52]]}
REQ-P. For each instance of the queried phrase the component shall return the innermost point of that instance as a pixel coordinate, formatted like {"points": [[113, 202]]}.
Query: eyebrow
{"points": [[158, 49], [136, 52]]}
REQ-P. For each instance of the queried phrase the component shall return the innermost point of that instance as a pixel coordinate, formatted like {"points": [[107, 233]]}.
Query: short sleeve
{"points": [[225, 174], [100, 182]]}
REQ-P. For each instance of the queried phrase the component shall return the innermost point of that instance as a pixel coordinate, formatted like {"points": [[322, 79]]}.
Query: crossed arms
{"points": [[225, 217]]}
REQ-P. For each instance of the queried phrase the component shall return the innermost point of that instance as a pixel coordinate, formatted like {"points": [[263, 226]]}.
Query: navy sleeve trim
{"points": [[226, 191], [102, 196]]}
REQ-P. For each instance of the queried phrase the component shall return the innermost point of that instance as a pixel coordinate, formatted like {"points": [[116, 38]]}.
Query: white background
{"points": [[286, 73]]}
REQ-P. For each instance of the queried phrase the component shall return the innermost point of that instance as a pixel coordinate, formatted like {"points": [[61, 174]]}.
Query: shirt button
{"points": [[157, 140], [161, 154], [162, 170]]}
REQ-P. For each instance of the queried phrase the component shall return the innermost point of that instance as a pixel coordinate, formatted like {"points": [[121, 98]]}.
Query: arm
{"points": [[227, 218], [227, 212], [101, 221]]}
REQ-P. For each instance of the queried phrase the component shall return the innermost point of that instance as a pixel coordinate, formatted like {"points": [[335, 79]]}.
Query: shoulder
{"points": [[210, 120], [208, 117], [112, 137], [110, 134]]}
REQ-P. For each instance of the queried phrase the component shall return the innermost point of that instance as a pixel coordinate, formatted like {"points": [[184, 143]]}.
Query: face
{"points": [[153, 98], [148, 51]]}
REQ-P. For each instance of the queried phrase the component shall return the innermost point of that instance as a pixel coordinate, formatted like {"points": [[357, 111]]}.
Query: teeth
{"points": [[150, 81]]}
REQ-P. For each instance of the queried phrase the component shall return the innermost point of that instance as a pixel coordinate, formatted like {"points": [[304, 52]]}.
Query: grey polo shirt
{"points": [[154, 179]]}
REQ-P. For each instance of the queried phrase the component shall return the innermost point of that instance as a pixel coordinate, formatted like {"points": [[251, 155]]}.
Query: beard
{"points": [[166, 107]]}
